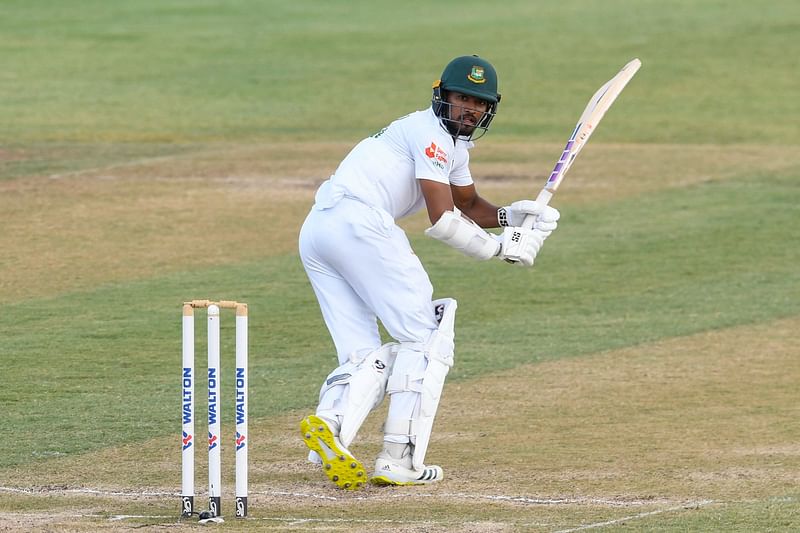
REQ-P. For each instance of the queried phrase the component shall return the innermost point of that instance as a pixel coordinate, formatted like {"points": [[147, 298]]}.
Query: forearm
{"points": [[480, 211]]}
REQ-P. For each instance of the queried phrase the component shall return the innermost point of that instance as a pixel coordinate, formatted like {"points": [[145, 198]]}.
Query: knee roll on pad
{"points": [[355, 388], [438, 352]]}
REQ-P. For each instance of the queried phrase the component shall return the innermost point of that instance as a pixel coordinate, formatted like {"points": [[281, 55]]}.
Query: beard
{"points": [[458, 128], [464, 124]]}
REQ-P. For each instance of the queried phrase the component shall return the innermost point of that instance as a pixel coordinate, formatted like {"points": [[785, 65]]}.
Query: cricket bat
{"points": [[588, 122]]}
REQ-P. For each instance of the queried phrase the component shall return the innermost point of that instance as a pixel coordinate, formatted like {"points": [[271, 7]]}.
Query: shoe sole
{"points": [[383, 480], [344, 470], [386, 480]]}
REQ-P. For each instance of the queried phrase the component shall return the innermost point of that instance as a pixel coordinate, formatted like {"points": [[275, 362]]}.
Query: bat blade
{"points": [[587, 123]]}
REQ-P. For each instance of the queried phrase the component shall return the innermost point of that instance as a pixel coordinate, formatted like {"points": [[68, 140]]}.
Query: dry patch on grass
{"points": [[708, 416], [156, 216], [657, 428], [11, 155]]}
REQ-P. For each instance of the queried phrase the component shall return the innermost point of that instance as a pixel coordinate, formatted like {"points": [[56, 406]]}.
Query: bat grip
{"points": [[544, 199]]}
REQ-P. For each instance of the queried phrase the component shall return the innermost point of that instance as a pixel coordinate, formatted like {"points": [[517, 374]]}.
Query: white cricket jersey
{"points": [[382, 171]]}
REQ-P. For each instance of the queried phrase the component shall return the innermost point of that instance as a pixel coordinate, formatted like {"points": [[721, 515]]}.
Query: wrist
{"points": [[502, 217]]}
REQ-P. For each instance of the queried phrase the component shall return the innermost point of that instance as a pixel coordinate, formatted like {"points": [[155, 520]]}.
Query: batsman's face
{"points": [[466, 110]]}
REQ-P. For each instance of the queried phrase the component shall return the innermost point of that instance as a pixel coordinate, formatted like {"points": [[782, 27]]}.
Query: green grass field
{"points": [[643, 376]]}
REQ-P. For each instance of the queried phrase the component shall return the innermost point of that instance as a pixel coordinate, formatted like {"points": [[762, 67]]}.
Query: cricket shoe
{"points": [[338, 463], [389, 470]]}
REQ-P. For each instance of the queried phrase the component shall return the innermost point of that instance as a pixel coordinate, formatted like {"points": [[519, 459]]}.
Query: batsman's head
{"points": [[465, 98]]}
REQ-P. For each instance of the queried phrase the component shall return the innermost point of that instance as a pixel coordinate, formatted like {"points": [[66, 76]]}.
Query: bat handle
{"points": [[544, 199]]}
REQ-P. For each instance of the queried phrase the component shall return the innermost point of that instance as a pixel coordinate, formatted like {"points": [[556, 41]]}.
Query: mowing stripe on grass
{"points": [[604, 282]]}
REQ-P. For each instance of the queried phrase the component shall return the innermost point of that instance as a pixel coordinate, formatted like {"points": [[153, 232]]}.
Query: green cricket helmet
{"points": [[470, 75]]}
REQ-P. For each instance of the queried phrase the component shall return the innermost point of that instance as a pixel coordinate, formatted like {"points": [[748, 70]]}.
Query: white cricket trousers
{"points": [[362, 269]]}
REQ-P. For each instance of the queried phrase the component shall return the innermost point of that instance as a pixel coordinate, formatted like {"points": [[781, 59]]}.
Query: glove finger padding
{"points": [[514, 214], [520, 245], [549, 214], [544, 226]]}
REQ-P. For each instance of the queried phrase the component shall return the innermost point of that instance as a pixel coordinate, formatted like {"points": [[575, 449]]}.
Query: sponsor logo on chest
{"points": [[437, 156]]}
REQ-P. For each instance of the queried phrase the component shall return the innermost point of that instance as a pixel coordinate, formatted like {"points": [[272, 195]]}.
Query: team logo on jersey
{"points": [[437, 156], [476, 75]]}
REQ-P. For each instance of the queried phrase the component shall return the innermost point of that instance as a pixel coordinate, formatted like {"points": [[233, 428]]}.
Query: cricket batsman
{"points": [[363, 270]]}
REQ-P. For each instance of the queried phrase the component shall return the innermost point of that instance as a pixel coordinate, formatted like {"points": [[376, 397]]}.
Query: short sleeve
{"points": [[460, 175], [432, 159]]}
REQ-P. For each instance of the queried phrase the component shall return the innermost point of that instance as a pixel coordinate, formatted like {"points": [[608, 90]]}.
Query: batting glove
{"points": [[520, 245], [514, 215]]}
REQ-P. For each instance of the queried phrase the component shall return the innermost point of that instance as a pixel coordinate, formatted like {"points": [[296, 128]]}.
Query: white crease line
{"points": [[290, 520], [300, 495], [119, 517], [518, 499], [463, 496], [558, 501], [635, 517], [451, 495], [296, 521], [98, 492]]}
